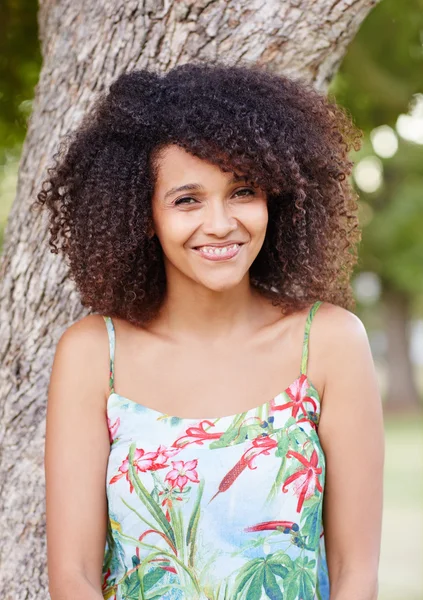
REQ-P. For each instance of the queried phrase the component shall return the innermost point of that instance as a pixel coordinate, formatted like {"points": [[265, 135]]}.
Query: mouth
{"points": [[218, 253]]}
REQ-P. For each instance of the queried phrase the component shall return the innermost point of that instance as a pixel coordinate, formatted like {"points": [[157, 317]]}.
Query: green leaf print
{"points": [[271, 586], [299, 582], [245, 574], [143, 494], [152, 577], [306, 588], [193, 524], [281, 451], [232, 434], [176, 520], [261, 574], [256, 584], [130, 587], [297, 437], [291, 587], [280, 558], [279, 570], [312, 522]]}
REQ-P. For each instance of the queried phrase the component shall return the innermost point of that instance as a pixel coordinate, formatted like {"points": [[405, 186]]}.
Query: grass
{"points": [[401, 571]]}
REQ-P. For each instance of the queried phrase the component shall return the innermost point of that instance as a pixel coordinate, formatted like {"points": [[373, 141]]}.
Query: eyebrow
{"points": [[190, 187]]}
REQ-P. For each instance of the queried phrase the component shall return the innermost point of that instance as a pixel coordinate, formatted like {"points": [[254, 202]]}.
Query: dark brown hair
{"points": [[284, 135]]}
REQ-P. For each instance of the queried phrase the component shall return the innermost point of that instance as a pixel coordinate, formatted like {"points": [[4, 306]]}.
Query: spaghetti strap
{"points": [[112, 339], [304, 358]]}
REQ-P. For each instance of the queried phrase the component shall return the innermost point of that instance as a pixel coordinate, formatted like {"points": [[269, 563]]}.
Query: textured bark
{"points": [[402, 393], [85, 45]]}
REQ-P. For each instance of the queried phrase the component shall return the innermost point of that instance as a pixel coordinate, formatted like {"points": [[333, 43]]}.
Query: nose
{"points": [[217, 221]]}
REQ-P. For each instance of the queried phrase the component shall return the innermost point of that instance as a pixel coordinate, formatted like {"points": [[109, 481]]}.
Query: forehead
{"points": [[176, 166]]}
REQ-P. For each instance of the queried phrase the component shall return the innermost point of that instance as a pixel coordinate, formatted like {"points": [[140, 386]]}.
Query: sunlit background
{"points": [[380, 82]]}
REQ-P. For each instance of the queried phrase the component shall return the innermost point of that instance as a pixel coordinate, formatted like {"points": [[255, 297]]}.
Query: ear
{"points": [[151, 233]]}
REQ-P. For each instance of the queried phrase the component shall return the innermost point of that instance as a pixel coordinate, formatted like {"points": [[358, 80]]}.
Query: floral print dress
{"points": [[221, 509]]}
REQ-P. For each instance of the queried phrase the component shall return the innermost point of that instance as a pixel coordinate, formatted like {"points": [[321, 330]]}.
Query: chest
{"points": [[204, 381]]}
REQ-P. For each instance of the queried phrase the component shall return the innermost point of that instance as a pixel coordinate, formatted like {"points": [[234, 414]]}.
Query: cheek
{"points": [[174, 230], [255, 218]]}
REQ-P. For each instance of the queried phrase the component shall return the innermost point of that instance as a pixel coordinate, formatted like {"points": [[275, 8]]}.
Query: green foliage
{"points": [[375, 83], [384, 64], [20, 63]]}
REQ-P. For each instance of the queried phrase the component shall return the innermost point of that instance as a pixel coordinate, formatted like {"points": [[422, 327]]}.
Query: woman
{"points": [[200, 442]]}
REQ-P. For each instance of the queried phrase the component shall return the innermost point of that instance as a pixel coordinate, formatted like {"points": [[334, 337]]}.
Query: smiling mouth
{"points": [[217, 253]]}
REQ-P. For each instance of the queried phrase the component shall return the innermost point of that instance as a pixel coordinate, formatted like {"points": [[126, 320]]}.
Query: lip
{"points": [[220, 244], [219, 257]]}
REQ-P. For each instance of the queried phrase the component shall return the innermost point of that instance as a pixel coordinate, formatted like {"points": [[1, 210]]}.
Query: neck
{"points": [[198, 313]]}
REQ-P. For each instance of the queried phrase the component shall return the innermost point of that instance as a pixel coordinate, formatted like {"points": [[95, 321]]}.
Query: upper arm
{"points": [[351, 434], [76, 452]]}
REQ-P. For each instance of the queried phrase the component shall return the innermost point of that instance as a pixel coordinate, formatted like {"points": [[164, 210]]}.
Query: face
{"points": [[210, 225]]}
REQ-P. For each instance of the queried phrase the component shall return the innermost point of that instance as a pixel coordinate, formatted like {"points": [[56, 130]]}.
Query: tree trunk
{"points": [[402, 393], [85, 45]]}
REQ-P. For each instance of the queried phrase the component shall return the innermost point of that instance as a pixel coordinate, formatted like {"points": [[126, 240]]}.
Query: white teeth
{"points": [[218, 251]]}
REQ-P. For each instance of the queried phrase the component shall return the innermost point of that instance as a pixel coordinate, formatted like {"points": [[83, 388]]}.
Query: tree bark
{"points": [[402, 393], [85, 45]]}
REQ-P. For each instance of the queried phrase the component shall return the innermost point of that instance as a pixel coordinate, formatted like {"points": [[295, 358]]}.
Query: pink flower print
{"points": [[163, 454], [297, 392], [182, 472], [143, 461], [197, 435], [112, 428], [305, 480]]}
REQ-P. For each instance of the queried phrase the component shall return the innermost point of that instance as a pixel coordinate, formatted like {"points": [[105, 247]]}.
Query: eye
{"points": [[251, 191], [181, 200], [185, 199]]}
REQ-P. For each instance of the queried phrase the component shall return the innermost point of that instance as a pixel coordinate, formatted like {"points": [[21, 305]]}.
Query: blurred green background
{"points": [[380, 83]]}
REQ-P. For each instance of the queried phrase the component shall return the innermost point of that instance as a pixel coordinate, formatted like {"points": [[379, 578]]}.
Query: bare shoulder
{"points": [[84, 348], [341, 341], [87, 331], [346, 358], [332, 323]]}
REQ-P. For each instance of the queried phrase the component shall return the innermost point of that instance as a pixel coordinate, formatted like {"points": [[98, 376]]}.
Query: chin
{"points": [[220, 286]]}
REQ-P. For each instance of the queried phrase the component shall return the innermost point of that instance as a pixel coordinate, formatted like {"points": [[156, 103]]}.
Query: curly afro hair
{"points": [[283, 134]]}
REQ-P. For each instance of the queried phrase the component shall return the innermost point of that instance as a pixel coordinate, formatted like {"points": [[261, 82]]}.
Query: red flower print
{"points": [[182, 472], [298, 394], [305, 480], [113, 428], [196, 435], [285, 526], [143, 461], [260, 445], [168, 497]]}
